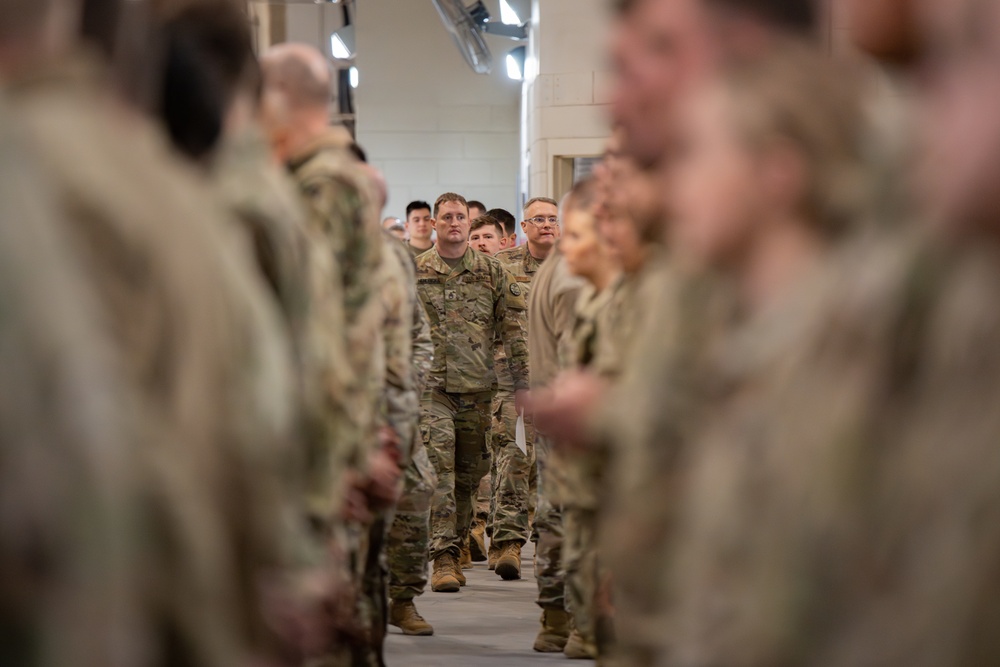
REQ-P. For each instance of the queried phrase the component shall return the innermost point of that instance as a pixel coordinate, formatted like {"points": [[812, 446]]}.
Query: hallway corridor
{"points": [[490, 623]]}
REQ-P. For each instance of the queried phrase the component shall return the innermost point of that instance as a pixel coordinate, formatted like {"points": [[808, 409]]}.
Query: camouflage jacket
{"points": [[469, 308], [417, 252], [523, 266], [202, 350], [341, 208], [400, 398]]}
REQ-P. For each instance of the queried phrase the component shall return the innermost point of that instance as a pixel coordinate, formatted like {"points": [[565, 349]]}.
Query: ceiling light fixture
{"points": [[515, 63], [342, 43], [507, 14]]}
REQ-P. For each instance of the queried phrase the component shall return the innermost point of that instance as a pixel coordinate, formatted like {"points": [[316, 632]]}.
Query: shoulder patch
{"points": [[515, 289]]}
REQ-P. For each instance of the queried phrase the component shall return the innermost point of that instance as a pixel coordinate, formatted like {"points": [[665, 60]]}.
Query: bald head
{"points": [[300, 74]]}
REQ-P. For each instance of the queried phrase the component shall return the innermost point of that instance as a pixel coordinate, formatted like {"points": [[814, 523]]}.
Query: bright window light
{"points": [[354, 77], [514, 68], [338, 48], [507, 14]]}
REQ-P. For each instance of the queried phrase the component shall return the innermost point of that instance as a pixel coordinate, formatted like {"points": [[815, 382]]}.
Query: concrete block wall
{"points": [[425, 118], [565, 90]]}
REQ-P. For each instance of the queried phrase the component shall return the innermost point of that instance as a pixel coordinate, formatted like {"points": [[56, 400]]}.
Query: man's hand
{"points": [[383, 479], [561, 411], [522, 402]]}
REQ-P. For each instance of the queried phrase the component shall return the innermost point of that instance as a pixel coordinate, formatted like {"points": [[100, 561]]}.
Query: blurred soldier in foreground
{"points": [[199, 342], [471, 300], [341, 206], [551, 314], [68, 548], [786, 133], [590, 257]]}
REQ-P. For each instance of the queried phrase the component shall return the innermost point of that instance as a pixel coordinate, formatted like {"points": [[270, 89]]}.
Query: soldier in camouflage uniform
{"points": [[397, 424], [595, 327], [551, 314], [67, 444], [197, 339], [409, 535], [341, 206], [875, 487], [485, 236], [728, 463], [470, 300], [513, 467], [350, 477]]}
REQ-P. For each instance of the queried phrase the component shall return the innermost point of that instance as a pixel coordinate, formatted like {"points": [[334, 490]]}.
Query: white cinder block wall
{"points": [[425, 119], [565, 90]]}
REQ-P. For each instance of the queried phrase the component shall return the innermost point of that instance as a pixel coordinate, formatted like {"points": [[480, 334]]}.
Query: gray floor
{"points": [[491, 623]]}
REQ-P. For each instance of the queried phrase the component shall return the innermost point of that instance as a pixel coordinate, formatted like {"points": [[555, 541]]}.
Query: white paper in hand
{"points": [[520, 437]]}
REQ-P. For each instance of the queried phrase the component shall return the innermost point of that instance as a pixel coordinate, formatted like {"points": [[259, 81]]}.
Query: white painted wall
{"points": [[565, 90], [425, 119]]}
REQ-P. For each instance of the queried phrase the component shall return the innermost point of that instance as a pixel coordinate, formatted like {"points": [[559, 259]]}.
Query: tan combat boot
{"points": [[404, 615], [477, 541], [494, 555], [554, 634], [578, 648], [465, 560], [509, 563], [443, 579]]}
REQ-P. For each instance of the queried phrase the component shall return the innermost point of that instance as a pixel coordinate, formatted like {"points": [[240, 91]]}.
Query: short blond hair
{"points": [[447, 197], [539, 200]]}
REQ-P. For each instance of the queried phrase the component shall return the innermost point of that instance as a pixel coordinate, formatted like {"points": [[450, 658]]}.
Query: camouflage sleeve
{"points": [[423, 346], [399, 392], [340, 209], [510, 313]]}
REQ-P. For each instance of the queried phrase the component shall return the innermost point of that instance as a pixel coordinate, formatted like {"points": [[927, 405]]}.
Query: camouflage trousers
{"points": [[484, 495], [373, 607], [580, 569], [547, 533], [512, 478], [454, 427], [409, 536]]}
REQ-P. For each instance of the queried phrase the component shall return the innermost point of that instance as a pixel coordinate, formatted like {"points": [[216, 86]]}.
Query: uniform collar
{"points": [[333, 139], [438, 264]]}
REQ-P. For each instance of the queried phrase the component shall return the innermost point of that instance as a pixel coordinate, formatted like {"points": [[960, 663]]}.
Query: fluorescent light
{"points": [[342, 43], [514, 69], [507, 14], [338, 48], [354, 77]]}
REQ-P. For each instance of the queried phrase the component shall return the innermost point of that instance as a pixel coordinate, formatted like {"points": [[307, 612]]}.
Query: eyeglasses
{"points": [[541, 220]]}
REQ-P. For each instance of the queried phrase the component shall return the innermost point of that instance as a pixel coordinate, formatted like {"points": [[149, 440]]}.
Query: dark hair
{"points": [[209, 59], [477, 204], [800, 16], [506, 219], [486, 221], [416, 206]]}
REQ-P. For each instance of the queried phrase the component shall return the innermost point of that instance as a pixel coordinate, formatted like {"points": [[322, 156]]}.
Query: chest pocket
{"points": [[473, 301], [433, 297]]}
